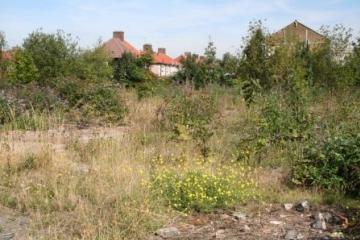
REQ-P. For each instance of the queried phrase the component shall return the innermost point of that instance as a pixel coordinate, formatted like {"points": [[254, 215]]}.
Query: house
{"points": [[162, 66], [7, 55], [297, 32], [117, 46]]}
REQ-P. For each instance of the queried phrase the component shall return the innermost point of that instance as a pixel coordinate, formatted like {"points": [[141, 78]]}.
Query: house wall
{"points": [[163, 70], [297, 32]]}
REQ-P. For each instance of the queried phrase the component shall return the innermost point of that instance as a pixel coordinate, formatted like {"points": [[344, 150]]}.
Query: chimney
{"points": [[119, 34], [147, 48], [162, 50]]}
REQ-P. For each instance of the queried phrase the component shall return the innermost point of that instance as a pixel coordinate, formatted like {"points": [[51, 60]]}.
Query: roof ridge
{"points": [[298, 22], [307, 27]]}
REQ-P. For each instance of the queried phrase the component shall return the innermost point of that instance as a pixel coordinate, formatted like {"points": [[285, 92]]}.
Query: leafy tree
{"points": [[2, 46], [200, 71], [354, 61], [53, 54], [210, 53], [145, 60], [250, 88], [339, 40], [229, 66], [130, 70], [254, 64], [280, 65], [23, 69], [330, 66], [93, 65], [192, 71], [2, 43], [211, 65]]}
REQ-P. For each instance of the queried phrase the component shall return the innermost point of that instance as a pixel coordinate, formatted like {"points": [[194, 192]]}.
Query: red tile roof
{"points": [[161, 58], [7, 55], [117, 48]]}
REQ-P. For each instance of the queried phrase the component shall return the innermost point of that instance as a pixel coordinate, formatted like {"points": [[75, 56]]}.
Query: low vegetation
{"points": [[206, 139]]}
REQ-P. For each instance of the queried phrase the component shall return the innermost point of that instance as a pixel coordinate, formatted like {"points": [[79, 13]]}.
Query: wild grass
{"points": [[34, 121], [101, 188]]}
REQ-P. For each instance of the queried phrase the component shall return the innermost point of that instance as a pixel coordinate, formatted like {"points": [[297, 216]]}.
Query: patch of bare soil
{"points": [[56, 139], [12, 225], [270, 223]]}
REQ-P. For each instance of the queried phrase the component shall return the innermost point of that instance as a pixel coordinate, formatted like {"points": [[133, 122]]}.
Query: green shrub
{"points": [[72, 91], [23, 70], [250, 88], [5, 112], [53, 54], [333, 165], [285, 117], [104, 102], [130, 71], [92, 65], [190, 116], [153, 87], [190, 110]]}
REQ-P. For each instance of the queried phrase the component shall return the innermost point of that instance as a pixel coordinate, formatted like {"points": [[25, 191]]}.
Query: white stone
{"points": [[319, 222], [288, 206], [276, 222], [169, 232], [220, 234]]}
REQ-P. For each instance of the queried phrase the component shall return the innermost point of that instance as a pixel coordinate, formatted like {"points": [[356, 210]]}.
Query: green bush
{"points": [[23, 70], [333, 165], [190, 116], [130, 70], [281, 121], [104, 102], [72, 91], [53, 54], [190, 110], [159, 87], [92, 65], [5, 112]]}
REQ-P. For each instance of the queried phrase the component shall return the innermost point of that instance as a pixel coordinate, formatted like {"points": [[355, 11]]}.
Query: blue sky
{"points": [[178, 25]]}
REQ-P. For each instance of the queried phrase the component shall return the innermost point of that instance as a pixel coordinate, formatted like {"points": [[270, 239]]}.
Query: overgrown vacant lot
{"points": [[259, 145], [189, 160]]}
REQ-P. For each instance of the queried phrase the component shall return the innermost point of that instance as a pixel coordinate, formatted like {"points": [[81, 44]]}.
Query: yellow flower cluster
{"points": [[202, 185]]}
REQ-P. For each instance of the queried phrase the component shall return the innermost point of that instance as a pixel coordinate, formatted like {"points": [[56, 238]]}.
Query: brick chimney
{"points": [[147, 48], [119, 34], [162, 50]]}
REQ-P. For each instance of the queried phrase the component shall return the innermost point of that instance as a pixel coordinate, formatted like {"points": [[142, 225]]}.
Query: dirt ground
{"points": [[12, 225], [268, 223]]}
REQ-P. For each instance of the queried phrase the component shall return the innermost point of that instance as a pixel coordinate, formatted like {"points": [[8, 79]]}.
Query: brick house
{"points": [[297, 32], [163, 65], [117, 46]]}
